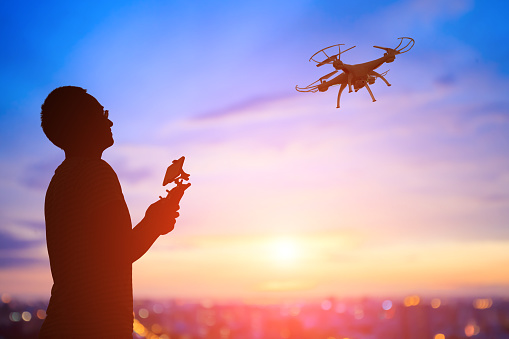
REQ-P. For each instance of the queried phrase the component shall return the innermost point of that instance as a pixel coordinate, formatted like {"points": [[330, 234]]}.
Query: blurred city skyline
{"points": [[411, 317], [290, 196]]}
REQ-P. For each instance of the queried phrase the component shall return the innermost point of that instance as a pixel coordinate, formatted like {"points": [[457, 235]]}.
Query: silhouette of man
{"points": [[90, 239]]}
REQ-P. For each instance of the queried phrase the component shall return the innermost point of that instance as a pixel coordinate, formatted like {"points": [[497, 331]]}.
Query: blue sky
{"points": [[426, 166]]}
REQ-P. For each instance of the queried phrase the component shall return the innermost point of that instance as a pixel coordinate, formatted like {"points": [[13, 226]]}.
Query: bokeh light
{"points": [[139, 329], [412, 300], [6, 298], [326, 305], [482, 303], [158, 308], [41, 314], [387, 305], [143, 313], [472, 329], [436, 302], [15, 316], [156, 328], [26, 316]]}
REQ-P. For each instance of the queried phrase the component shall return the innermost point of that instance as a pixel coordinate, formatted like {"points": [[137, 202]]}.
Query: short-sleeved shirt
{"points": [[91, 295]]}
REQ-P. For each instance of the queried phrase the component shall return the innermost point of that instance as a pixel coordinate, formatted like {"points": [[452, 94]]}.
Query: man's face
{"points": [[94, 126]]}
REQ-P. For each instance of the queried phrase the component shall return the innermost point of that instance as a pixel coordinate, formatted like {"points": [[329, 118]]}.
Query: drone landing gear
{"points": [[340, 91], [350, 78], [369, 90], [380, 76]]}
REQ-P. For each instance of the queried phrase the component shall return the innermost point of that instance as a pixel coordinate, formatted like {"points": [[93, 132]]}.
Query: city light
{"points": [[41, 314], [15, 316], [139, 328], [436, 302], [358, 319], [412, 300], [482, 303], [143, 313], [386, 305], [6, 298], [158, 308], [156, 328], [472, 329], [326, 305], [358, 313], [26, 316]]}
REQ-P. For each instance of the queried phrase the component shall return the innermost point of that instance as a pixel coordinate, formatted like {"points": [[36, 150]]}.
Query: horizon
{"points": [[361, 318]]}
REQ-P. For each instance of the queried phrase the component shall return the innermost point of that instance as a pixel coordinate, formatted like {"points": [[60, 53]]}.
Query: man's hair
{"points": [[59, 112]]}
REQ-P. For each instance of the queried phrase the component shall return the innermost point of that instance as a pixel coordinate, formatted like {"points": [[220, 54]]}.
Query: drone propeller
{"points": [[401, 50], [313, 87], [329, 59]]}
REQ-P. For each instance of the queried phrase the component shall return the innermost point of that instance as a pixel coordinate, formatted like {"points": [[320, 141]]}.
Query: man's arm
{"points": [[116, 236], [160, 218]]}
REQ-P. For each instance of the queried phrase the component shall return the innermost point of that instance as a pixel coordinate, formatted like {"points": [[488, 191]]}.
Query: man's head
{"points": [[75, 121]]}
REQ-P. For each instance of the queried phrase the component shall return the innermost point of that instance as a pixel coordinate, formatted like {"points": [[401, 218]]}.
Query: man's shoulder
{"points": [[89, 181], [85, 168], [85, 175], [99, 168]]}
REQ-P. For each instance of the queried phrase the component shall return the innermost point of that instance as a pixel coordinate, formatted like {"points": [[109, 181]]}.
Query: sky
{"points": [[290, 197]]}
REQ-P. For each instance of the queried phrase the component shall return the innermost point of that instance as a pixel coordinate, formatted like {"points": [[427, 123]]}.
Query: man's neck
{"points": [[91, 154]]}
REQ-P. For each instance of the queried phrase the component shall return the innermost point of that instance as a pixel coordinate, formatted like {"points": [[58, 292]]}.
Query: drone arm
{"points": [[326, 61], [327, 76]]}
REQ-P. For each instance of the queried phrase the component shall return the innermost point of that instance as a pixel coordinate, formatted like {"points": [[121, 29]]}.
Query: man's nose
{"points": [[110, 123]]}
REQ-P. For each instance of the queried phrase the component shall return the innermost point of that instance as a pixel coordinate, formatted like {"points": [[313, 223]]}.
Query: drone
{"points": [[357, 75]]}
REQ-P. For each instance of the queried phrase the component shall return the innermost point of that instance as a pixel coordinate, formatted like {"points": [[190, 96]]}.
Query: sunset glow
{"points": [[290, 198], [285, 250]]}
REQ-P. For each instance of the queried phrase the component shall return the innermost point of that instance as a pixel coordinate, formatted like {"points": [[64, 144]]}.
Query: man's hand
{"points": [[162, 215]]}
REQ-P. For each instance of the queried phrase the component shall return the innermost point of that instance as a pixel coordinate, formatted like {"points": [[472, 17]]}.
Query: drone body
{"points": [[358, 75], [175, 174]]}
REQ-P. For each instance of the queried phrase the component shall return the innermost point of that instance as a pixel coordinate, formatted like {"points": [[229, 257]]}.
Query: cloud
{"points": [[9, 242], [131, 172], [22, 244], [236, 108], [446, 79], [21, 235], [20, 262], [412, 16], [38, 174]]}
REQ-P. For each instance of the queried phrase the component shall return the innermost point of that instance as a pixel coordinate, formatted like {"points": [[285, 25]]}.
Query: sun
{"points": [[285, 249]]}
